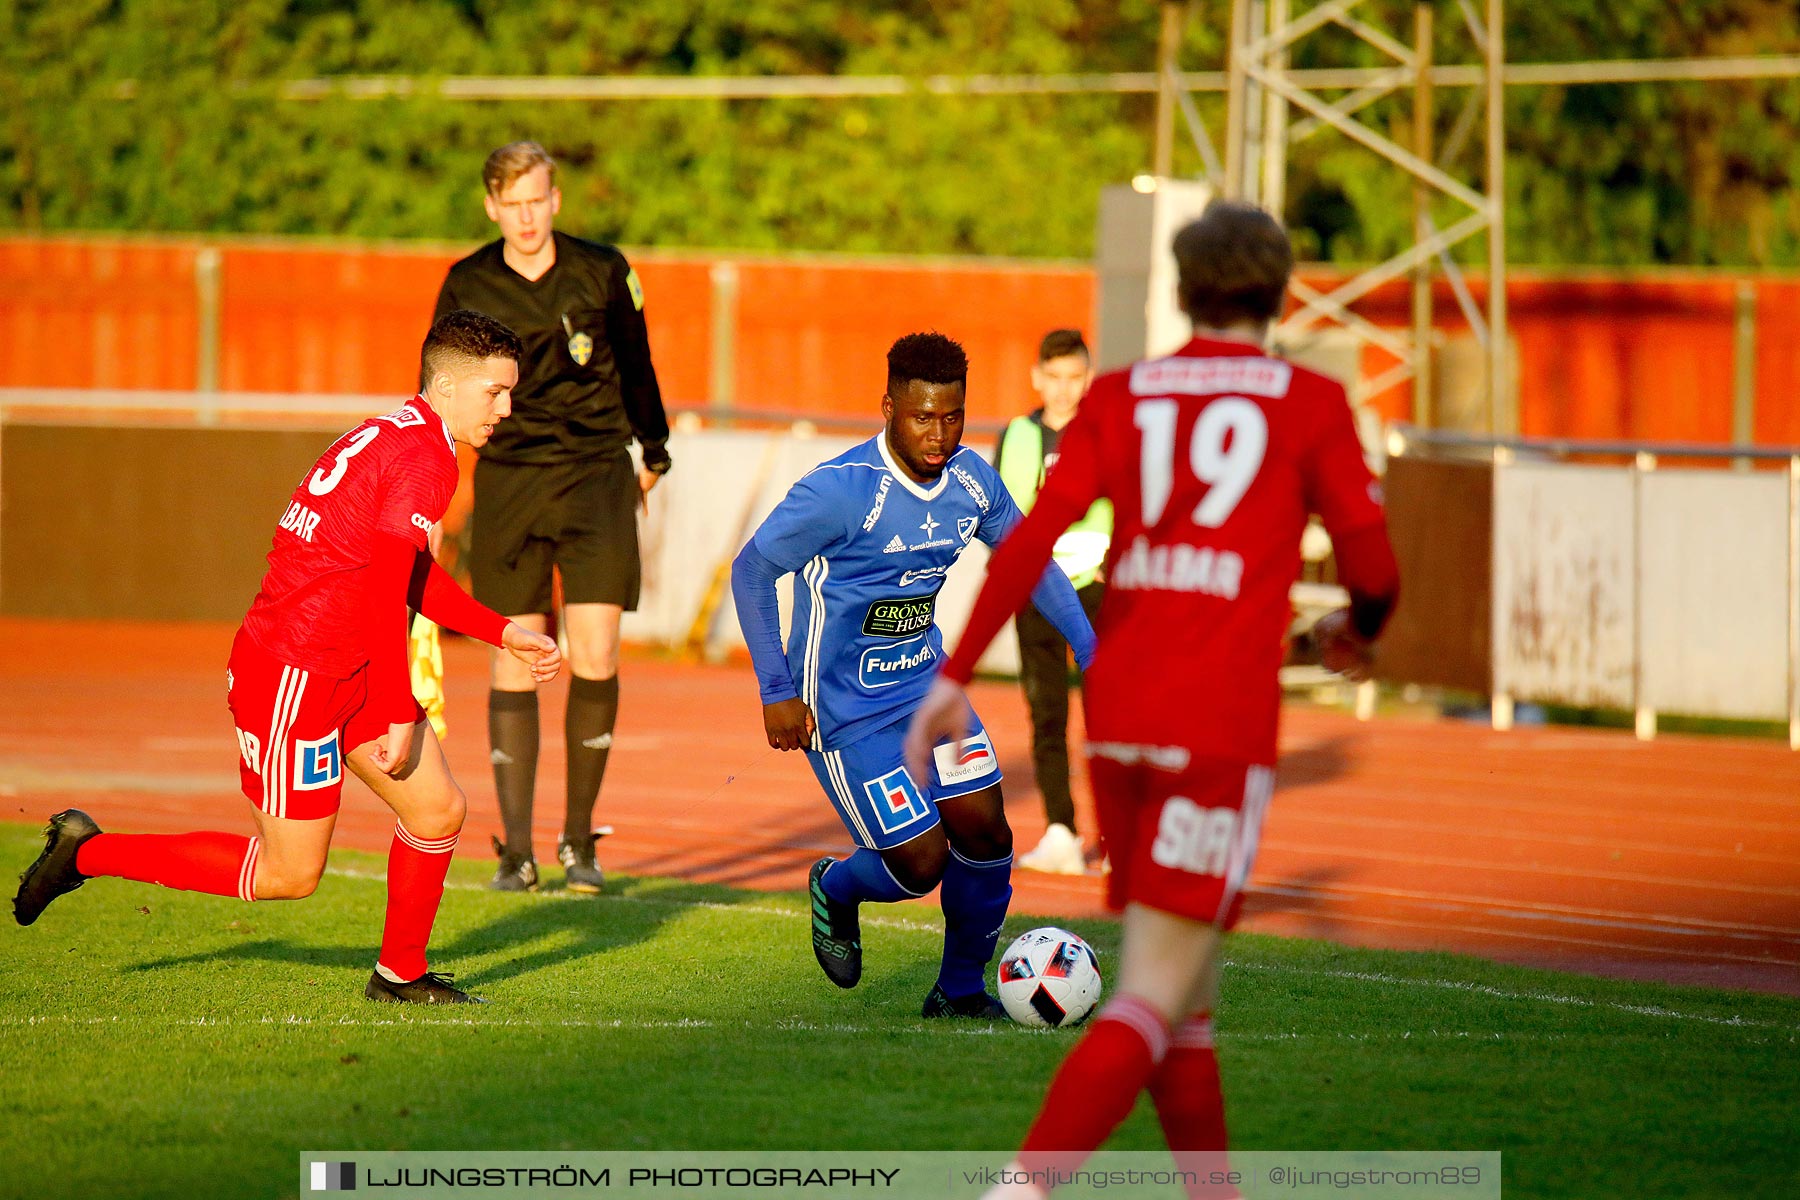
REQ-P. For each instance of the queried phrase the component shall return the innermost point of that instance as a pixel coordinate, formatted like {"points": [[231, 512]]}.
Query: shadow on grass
{"points": [[543, 931], [1306, 896]]}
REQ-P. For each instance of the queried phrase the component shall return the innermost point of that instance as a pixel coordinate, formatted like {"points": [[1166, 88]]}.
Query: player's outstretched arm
{"points": [[535, 650], [787, 720], [943, 714], [1022, 566], [1366, 568], [445, 604], [1341, 490], [1055, 597], [1341, 649]]}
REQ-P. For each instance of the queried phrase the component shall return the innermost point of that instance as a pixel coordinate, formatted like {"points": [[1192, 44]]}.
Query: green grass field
{"points": [[205, 1043]]}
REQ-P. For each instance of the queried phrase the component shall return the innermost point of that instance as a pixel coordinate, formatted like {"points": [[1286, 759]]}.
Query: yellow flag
{"points": [[426, 663]]}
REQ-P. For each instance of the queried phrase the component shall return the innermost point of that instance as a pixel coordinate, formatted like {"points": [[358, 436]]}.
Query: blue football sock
{"points": [[974, 896], [863, 876]]}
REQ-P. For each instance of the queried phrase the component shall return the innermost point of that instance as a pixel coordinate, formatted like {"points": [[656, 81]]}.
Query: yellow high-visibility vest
{"points": [[1081, 551]]}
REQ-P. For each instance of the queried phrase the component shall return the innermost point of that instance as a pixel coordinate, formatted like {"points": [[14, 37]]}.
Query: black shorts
{"points": [[580, 517]]}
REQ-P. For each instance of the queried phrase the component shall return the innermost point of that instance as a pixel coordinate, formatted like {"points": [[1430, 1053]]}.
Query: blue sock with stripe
{"points": [[863, 876], [974, 895]]}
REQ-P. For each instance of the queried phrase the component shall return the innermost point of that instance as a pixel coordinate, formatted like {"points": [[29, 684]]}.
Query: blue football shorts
{"points": [[877, 798]]}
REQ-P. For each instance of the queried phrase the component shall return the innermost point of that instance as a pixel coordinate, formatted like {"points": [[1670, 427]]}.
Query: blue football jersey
{"points": [[870, 549]]}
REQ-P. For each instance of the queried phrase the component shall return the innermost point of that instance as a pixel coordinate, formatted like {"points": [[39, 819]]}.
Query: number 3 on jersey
{"points": [[323, 481], [1226, 451]]}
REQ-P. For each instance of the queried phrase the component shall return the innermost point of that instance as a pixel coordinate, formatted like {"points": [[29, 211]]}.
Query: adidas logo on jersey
{"points": [[894, 547]]}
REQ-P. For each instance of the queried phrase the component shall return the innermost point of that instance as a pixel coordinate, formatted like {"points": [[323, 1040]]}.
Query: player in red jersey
{"points": [[318, 679], [1212, 458]]}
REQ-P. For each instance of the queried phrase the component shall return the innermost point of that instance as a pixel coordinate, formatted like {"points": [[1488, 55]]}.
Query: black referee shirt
{"points": [[586, 387]]}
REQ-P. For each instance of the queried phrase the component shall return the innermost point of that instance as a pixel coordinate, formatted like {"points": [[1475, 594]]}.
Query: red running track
{"points": [[1579, 850]]}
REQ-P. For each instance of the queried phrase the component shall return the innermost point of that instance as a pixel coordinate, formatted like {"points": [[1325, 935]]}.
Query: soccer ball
{"points": [[1049, 976]]}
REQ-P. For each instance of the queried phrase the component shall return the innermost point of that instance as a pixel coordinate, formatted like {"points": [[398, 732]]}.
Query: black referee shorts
{"points": [[580, 517]]}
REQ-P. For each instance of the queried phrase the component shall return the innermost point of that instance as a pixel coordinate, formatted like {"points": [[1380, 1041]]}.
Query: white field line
{"points": [[1355, 976], [1482, 989]]}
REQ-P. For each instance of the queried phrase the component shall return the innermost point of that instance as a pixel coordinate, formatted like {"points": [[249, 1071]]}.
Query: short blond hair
{"points": [[513, 160]]}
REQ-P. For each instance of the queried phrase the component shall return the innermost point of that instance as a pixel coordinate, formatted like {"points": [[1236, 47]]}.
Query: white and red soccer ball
{"points": [[1049, 977]]}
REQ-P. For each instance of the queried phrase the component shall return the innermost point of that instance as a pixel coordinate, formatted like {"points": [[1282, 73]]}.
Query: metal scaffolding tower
{"points": [[1271, 108]]}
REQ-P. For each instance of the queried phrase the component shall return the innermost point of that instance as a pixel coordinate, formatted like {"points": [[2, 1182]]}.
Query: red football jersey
{"points": [[1212, 458], [391, 474]]}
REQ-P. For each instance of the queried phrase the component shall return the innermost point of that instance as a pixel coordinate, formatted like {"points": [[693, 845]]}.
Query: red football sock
{"points": [[1096, 1086], [415, 885], [1191, 1106], [219, 864]]}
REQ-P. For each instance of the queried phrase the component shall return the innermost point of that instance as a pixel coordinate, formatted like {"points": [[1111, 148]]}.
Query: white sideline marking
{"points": [[1644, 1010], [1456, 985]]}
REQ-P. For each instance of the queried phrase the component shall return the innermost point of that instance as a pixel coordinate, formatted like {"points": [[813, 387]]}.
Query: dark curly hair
{"points": [[928, 358], [464, 336]]}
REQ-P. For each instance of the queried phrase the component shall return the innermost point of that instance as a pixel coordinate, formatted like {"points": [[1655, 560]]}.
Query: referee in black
{"points": [[555, 487]]}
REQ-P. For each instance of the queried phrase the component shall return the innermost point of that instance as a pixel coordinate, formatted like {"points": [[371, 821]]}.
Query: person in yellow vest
{"points": [[1026, 454]]}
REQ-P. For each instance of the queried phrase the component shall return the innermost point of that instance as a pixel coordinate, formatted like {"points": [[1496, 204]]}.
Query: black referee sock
{"points": [[588, 729], [513, 735]]}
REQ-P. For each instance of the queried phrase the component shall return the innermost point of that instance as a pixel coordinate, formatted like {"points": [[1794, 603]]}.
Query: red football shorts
{"points": [[293, 729], [1180, 831]]}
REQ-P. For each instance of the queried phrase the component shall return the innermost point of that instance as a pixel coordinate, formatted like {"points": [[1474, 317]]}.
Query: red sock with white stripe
{"points": [[219, 864], [1096, 1086], [1191, 1106], [415, 884]]}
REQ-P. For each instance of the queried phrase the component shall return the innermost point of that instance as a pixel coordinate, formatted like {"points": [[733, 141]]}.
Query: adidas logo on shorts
{"points": [[894, 547]]}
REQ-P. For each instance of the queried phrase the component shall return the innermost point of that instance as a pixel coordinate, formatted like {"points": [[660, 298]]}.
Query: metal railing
{"points": [[1402, 437]]}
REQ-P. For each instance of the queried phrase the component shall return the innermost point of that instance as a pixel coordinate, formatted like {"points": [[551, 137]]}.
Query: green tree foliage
{"points": [[204, 142]]}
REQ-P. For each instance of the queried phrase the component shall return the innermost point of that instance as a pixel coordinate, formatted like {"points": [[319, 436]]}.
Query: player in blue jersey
{"points": [[870, 536]]}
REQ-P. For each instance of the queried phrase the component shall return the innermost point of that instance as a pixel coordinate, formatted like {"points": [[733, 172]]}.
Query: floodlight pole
{"points": [[1237, 86], [1421, 296], [1275, 124], [1168, 84], [1503, 414]]}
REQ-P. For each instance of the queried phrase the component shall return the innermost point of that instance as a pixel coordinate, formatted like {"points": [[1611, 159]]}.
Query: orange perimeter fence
{"points": [[1645, 357]]}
